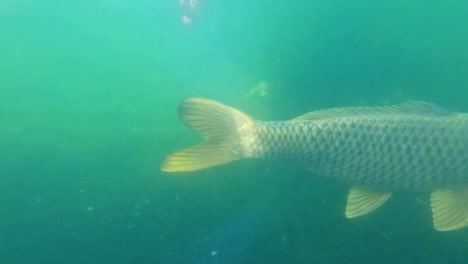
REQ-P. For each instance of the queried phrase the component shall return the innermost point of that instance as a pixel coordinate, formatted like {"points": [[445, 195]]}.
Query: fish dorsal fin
{"points": [[406, 108], [450, 209], [361, 201]]}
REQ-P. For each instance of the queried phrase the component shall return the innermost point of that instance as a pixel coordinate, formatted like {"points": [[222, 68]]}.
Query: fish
{"points": [[411, 147]]}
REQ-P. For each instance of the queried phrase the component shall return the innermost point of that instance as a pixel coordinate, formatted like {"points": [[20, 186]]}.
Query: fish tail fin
{"points": [[218, 125]]}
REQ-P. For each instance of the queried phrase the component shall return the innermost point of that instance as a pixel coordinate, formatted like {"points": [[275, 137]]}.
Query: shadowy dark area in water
{"points": [[89, 91]]}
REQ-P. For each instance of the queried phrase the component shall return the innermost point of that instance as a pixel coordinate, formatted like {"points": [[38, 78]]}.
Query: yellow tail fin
{"points": [[218, 125]]}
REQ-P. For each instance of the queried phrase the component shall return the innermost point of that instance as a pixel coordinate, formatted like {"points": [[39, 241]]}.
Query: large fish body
{"points": [[415, 146], [390, 152]]}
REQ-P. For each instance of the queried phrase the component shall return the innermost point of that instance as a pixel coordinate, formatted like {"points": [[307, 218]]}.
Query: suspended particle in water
{"points": [[186, 20], [189, 10]]}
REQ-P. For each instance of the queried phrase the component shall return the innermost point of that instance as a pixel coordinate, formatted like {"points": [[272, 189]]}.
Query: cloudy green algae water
{"points": [[89, 91]]}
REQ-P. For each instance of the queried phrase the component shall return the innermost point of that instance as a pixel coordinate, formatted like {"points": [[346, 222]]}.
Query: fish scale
{"points": [[415, 146], [384, 153]]}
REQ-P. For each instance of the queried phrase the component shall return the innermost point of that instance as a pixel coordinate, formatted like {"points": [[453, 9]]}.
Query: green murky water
{"points": [[88, 100]]}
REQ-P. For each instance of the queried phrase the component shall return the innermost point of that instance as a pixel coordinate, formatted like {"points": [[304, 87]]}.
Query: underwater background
{"points": [[88, 97]]}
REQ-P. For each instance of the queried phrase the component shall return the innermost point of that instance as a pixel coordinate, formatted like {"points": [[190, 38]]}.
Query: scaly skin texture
{"points": [[389, 152]]}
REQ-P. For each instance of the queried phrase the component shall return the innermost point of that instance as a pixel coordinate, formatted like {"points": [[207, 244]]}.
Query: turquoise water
{"points": [[89, 91]]}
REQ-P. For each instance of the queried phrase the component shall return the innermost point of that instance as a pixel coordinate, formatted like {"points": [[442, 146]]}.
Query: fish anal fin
{"points": [[362, 201], [450, 209]]}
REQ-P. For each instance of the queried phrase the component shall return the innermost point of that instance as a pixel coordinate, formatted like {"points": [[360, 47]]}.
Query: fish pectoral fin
{"points": [[450, 209], [361, 201]]}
